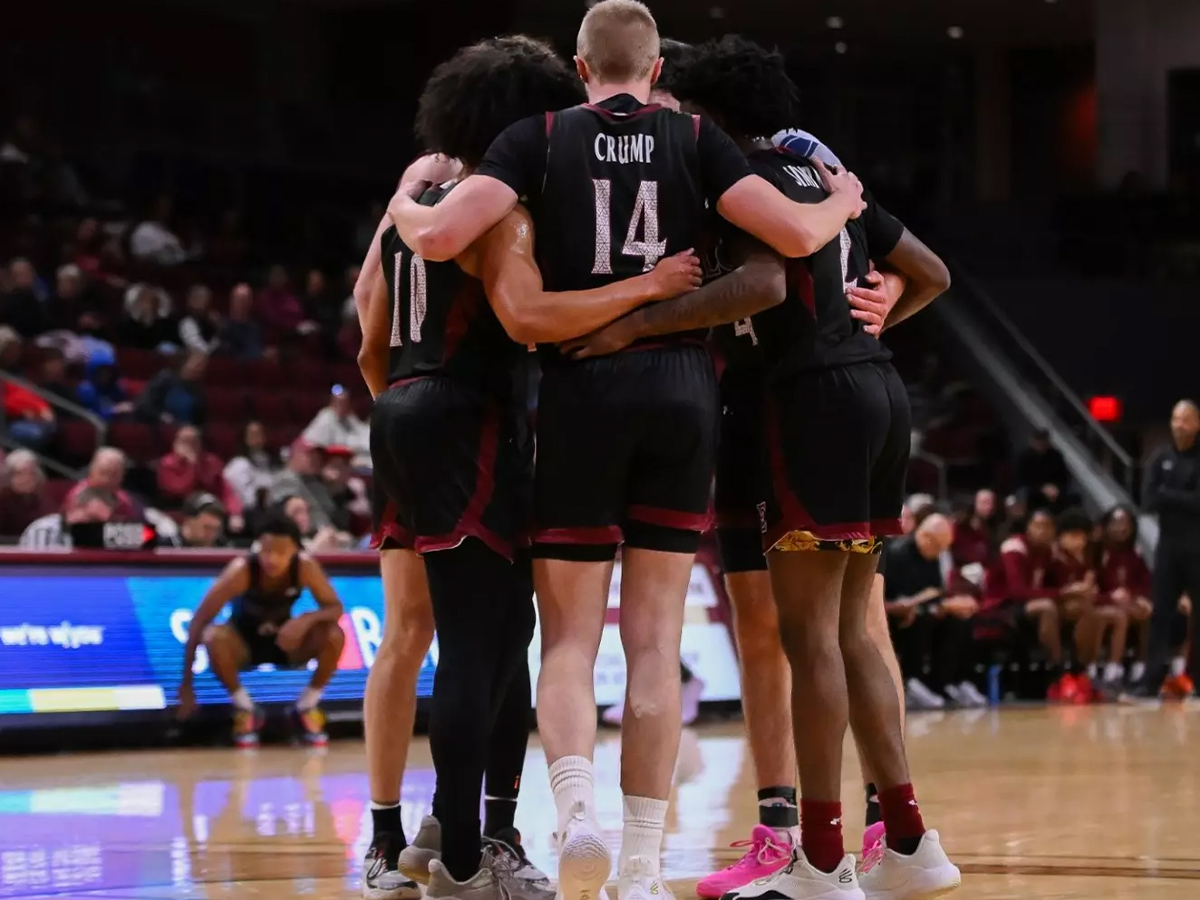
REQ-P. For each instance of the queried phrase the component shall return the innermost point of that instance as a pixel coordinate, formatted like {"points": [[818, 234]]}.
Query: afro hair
{"points": [[675, 55], [482, 89], [743, 84]]}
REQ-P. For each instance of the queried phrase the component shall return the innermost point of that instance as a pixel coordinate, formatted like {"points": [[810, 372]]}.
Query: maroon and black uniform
{"points": [[838, 425], [451, 457], [625, 443]]}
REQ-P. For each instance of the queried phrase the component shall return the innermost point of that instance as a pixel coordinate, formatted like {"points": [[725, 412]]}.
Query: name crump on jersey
{"points": [[624, 148]]}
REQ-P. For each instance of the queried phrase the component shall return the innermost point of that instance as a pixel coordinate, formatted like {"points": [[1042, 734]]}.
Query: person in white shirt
{"points": [[254, 468], [337, 426], [152, 241]]}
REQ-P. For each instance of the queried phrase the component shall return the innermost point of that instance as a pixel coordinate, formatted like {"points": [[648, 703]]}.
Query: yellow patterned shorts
{"points": [[797, 541]]}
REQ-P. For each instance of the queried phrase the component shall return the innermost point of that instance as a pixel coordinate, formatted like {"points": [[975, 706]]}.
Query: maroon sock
{"points": [[901, 818], [821, 834]]}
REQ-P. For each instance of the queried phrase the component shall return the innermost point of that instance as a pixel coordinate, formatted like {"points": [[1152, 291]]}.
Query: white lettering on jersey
{"points": [[804, 176], [624, 148]]}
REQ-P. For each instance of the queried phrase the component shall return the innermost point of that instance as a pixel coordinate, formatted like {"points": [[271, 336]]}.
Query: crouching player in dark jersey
{"points": [[452, 452], [262, 587], [625, 445], [823, 368]]}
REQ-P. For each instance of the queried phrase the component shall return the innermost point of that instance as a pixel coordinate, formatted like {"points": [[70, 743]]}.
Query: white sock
{"points": [[1178, 666], [241, 699], [1091, 671], [1138, 672], [1113, 671], [309, 698], [642, 835], [571, 781]]}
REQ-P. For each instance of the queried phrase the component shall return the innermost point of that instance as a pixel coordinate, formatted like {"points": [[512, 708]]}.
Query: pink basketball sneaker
{"points": [[767, 854], [872, 836]]}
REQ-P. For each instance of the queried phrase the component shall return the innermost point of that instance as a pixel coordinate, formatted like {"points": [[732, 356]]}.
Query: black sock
{"points": [[777, 807], [874, 812], [387, 821], [498, 814], [905, 846]]}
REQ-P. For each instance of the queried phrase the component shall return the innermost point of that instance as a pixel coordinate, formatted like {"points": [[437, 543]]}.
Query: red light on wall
{"points": [[1105, 409]]}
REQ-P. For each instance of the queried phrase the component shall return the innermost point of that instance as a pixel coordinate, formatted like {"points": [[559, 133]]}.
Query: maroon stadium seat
{"points": [[280, 436], [76, 441], [306, 406], [312, 375], [270, 407], [223, 438], [139, 364], [56, 492], [137, 439], [224, 371], [226, 405], [264, 373]]}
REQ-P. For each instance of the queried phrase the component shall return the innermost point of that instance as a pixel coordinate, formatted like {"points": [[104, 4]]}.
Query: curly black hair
{"points": [[1074, 519], [675, 55], [482, 89], [743, 84]]}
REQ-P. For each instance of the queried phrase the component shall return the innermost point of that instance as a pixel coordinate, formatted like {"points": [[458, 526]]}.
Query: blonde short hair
{"points": [[618, 40]]}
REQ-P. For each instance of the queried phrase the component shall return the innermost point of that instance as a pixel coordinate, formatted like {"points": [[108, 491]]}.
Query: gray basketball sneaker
{"points": [[381, 879], [485, 884], [425, 848], [516, 877]]}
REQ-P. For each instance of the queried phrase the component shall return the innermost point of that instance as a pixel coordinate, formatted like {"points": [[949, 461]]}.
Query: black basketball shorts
{"points": [[739, 499], [838, 443], [261, 647], [448, 465], [625, 451]]}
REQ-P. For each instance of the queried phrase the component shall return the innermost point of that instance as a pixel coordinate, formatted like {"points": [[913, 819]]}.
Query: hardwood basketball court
{"points": [[1086, 803]]}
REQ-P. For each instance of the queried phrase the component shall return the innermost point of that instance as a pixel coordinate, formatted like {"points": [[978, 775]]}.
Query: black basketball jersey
{"points": [[736, 343], [812, 328], [441, 321], [262, 605]]}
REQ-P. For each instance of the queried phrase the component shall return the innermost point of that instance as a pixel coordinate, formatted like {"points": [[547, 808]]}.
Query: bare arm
{"points": [[230, 583], [927, 277], [373, 354], [794, 229], [442, 232], [369, 273], [313, 577], [758, 283], [505, 262]]}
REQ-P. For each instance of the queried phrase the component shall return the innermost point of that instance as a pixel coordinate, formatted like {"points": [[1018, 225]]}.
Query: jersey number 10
{"points": [[416, 299], [645, 212]]}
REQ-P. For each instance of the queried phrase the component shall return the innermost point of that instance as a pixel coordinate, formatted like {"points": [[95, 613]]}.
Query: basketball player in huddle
{"points": [[262, 587], [443, 353], [747, 90], [625, 444]]}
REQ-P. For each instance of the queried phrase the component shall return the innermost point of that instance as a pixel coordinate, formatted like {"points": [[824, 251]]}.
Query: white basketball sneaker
{"points": [[414, 859], [800, 881], [584, 861], [926, 874], [640, 879]]}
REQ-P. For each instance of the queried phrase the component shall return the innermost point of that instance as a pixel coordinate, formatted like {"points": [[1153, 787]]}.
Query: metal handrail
{"points": [[1047, 371], [67, 406], [940, 465]]}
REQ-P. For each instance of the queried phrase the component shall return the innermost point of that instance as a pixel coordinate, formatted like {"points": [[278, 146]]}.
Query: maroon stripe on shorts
{"points": [[600, 534], [390, 530], [669, 518], [885, 527], [470, 524]]}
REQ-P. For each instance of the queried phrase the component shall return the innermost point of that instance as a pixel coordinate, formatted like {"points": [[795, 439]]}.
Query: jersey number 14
{"points": [[645, 215]]}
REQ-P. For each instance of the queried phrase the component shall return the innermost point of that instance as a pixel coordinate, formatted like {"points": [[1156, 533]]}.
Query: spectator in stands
{"points": [[23, 306], [153, 241], [11, 347], [279, 308], [974, 531], [337, 426], [203, 524], [229, 245], [913, 507], [175, 394], [106, 473], [315, 539], [188, 469], [240, 336], [98, 256], [302, 478], [90, 505], [200, 325], [1020, 585], [349, 494], [30, 420], [75, 306], [1016, 515], [927, 623], [103, 391], [1042, 471], [1124, 580], [322, 305], [23, 494], [52, 377], [147, 322], [253, 470]]}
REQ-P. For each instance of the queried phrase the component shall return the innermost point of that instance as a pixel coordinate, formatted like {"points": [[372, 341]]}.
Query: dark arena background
{"points": [[187, 190]]}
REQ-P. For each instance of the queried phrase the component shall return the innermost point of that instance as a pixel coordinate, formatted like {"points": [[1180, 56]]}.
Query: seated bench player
{"points": [[262, 587]]}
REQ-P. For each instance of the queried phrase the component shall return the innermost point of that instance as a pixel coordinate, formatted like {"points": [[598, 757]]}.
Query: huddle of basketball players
{"points": [[616, 234]]}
